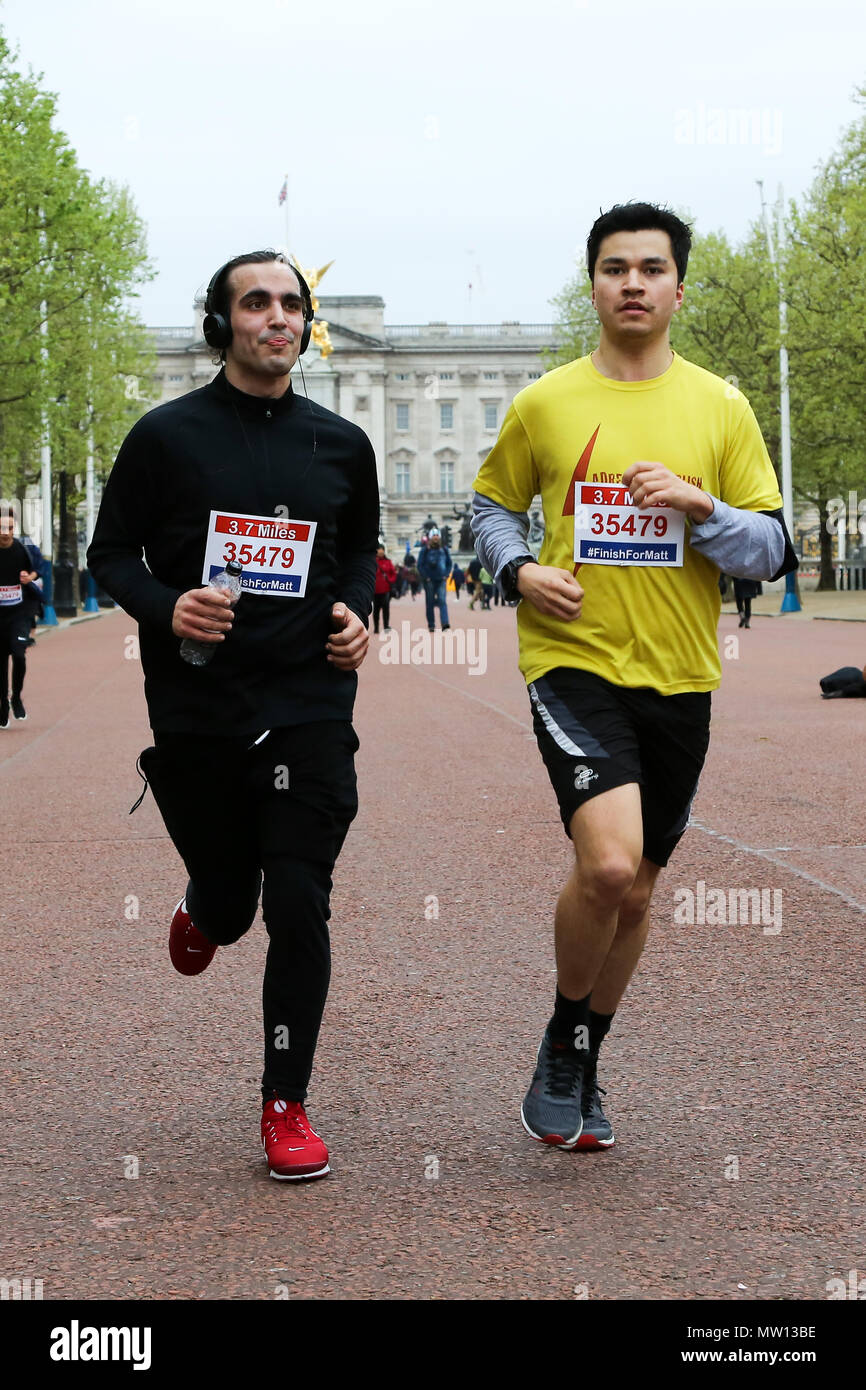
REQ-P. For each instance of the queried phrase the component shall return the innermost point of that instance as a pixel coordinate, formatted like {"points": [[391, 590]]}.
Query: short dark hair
{"points": [[640, 217], [218, 301]]}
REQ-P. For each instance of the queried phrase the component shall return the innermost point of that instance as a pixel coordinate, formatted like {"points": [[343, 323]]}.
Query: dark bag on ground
{"points": [[845, 684]]}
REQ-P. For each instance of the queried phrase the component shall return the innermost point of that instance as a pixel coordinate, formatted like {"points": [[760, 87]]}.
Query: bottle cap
{"points": [[234, 568]]}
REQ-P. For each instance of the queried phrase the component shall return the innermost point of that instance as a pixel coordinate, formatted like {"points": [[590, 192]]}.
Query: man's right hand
{"points": [[550, 590], [202, 614]]}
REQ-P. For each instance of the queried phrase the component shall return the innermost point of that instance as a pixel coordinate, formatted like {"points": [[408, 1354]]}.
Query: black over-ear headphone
{"points": [[217, 328]]}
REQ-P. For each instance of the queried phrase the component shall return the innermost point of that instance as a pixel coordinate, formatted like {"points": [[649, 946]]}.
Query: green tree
{"points": [[825, 278], [72, 255]]}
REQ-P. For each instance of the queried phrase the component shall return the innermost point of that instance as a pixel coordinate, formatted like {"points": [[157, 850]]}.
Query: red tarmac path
{"points": [[733, 1043]]}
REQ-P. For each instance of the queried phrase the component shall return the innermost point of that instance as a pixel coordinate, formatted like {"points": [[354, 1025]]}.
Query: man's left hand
{"points": [[653, 485], [347, 647]]}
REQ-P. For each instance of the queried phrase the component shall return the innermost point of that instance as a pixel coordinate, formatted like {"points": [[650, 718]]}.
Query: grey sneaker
{"points": [[597, 1132], [551, 1111]]}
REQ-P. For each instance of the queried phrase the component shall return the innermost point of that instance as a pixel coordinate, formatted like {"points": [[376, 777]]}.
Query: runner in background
{"points": [[654, 476]]}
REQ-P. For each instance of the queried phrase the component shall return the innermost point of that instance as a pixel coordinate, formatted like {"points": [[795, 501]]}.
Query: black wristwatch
{"points": [[508, 576]]}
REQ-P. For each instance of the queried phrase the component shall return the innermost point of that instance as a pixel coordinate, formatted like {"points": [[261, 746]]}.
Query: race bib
{"points": [[9, 594], [274, 553], [610, 530]]}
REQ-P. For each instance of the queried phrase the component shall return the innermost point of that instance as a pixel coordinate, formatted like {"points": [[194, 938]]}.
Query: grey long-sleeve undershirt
{"points": [[745, 545]]}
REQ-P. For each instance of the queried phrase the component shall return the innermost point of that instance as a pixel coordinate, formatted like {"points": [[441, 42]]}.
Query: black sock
{"points": [[568, 1016], [599, 1026]]}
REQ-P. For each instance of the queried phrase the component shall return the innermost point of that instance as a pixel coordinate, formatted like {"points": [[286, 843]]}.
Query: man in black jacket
{"points": [[16, 576], [253, 766]]}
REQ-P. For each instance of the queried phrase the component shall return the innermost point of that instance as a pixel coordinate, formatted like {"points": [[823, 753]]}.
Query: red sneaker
{"points": [[190, 952], [293, 1148]]}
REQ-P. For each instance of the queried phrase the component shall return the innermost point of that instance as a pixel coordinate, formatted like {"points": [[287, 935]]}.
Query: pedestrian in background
{"points": [[459, 579], [434, 567], [16, 576], [413, 576], [33, 601], [473, 580], [744, 591], [486, 588], [386, 578]]}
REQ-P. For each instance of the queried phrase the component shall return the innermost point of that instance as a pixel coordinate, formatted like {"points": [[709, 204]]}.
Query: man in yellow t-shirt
{"points": [[654, 477]]}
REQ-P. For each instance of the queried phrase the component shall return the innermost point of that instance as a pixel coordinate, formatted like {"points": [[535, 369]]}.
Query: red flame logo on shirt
{"points": [[579, 476]]}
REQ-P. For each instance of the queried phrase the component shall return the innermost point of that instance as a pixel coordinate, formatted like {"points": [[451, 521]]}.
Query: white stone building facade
{"points": [[431, 397]]}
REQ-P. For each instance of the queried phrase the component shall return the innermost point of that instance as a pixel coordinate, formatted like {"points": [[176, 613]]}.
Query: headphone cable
{"points": [[310, 408]]}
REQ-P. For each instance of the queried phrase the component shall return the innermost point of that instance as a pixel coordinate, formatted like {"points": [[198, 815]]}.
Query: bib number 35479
{"points": [[610, 530], [274, 553]]}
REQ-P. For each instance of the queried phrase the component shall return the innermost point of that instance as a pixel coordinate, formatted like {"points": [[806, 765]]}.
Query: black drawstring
{"points": [[146, 785]]}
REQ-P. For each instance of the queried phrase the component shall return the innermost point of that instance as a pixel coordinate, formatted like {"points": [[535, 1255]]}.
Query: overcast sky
{"points": [[434, 146]]}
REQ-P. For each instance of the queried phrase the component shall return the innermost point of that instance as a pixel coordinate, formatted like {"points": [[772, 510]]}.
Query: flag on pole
{"points": [[284, 191]]}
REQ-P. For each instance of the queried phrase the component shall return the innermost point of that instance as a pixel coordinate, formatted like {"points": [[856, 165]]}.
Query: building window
{"points": [[402, 416], [401, 376], [401, 474], [446, 376], [446, 415], [491, 376], [402, 519], [534, 376], [446, 477], [404, 544], [490, 413], [175, 378]]}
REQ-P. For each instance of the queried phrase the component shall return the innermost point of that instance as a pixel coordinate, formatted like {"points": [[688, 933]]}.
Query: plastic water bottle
{"points": [[228, 581]]}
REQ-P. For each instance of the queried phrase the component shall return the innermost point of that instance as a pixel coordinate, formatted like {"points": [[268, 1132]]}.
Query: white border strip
{"points": [[559, 736]]}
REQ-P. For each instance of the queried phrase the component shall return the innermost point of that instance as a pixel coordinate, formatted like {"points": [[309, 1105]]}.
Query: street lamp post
{"points": [[49, 616], [790, 603], [91, 603]]}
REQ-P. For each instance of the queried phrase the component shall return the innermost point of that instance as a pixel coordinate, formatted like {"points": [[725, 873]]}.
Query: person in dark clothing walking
{"points": [[16, 577], [252, 767], [386, 577], [459, 579], [34, 605], [413, 578], [744, 591]]}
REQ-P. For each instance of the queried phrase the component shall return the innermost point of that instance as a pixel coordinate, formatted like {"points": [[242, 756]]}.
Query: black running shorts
{"points": [[595, 736]]}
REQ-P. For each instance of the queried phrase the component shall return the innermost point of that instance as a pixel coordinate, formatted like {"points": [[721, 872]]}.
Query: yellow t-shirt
{"points": [[639, 626]]}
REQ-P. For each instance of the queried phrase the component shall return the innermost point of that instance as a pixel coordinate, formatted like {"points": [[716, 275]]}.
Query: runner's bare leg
{"points": [[607, 833], [627, 946]]}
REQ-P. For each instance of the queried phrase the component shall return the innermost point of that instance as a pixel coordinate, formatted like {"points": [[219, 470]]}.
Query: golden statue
{"points": [[320, 327]]}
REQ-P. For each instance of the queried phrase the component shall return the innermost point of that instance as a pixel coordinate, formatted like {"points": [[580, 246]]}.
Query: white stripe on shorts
{"points": [[558, 735]]}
